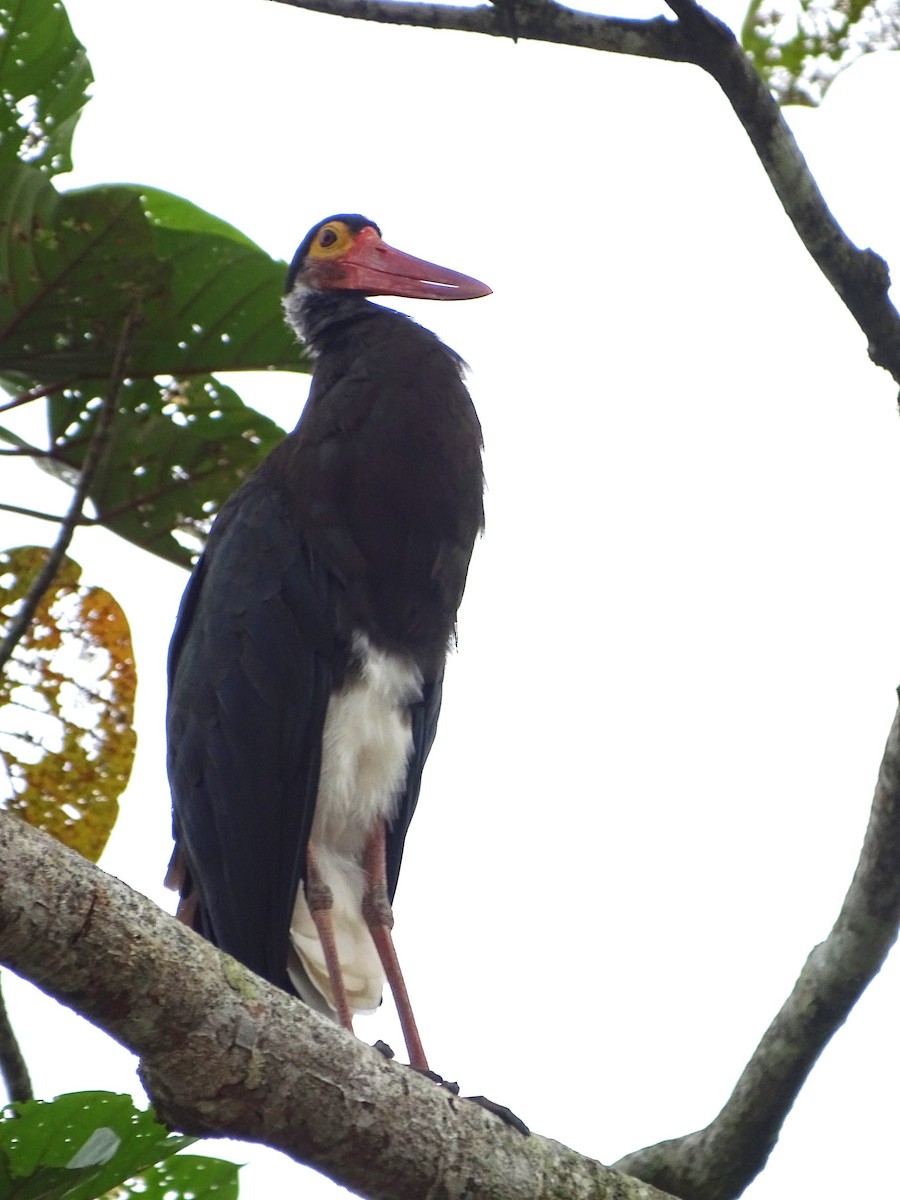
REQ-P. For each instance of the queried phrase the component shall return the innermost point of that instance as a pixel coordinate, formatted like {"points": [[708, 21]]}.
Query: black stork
{"points": [[306, 664]]}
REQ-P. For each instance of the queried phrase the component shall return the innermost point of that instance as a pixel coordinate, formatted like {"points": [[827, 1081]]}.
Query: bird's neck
{"points": [[315, 315]]}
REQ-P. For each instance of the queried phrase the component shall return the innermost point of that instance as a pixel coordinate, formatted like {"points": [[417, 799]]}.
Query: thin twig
{"points": [[26, 451], [72, 519], [160, 493], [55, 518], [35, 393], [718, 1162], [13, 1067]]}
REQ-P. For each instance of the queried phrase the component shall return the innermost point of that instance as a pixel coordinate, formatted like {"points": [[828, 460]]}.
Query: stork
{"points": [[306, 665]]}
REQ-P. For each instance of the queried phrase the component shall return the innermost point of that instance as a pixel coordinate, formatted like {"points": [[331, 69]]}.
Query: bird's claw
{"points": [[438, 1079], [500, 1110]]}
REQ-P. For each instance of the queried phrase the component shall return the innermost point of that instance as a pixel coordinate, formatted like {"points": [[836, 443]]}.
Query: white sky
{"points": [[679, 643]]}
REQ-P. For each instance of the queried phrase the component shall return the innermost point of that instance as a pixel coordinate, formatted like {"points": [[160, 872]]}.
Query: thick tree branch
{"points": [[860, 277], [222, 1052], [718, 1162]]}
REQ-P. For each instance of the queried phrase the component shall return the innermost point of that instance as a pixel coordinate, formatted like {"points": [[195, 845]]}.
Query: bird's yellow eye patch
{"points": [[331, 241]]}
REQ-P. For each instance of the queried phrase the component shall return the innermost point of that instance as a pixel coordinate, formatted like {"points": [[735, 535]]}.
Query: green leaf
{"points": [[78, 1146], [176, 452], [73, 265], [44, 77], [225, 312], [67, 736], [800, 50], [168, 211], [186, 1176]]}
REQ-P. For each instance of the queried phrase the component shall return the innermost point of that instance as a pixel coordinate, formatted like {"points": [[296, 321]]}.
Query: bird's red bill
{"points": [[374, 267]]}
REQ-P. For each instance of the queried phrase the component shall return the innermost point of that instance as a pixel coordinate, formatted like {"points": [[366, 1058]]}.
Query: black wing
{"points": [[250, 673]]}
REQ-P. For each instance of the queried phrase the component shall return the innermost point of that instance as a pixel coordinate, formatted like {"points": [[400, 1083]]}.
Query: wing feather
{"points": [[251, 669]]}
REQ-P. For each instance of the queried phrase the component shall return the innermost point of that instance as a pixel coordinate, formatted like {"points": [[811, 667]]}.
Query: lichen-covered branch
{"points": [[536, 20], [719, 1161], [223, 1052]]}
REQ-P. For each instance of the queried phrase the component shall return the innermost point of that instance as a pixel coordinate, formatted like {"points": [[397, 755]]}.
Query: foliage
{"points": [[74, 264], [89, 1144], [800, 48], [45, 76], [66, 705], [208, 300], [76, 268]]}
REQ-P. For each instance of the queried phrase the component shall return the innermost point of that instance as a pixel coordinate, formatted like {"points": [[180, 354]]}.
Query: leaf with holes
{"points": [[71, 268], [66, 705], [74, 263], [185, 1177], [176, 452], [85, 1144], [210, 300], [44, 77]]}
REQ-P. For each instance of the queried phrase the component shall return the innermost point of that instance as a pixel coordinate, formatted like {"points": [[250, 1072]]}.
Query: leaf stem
{"points": [[42, 516], [35, 393]]}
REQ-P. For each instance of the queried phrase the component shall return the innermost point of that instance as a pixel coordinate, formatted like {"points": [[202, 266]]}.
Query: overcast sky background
{"points": [[679, 645]]}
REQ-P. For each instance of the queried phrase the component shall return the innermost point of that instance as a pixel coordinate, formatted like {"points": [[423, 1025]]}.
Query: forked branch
{"points": [[860, 277]]}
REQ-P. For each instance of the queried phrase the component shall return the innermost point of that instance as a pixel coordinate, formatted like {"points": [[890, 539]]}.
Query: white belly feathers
{"points": [[366, 744]]}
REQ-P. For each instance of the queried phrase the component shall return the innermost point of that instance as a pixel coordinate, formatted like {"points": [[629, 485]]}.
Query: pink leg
{"points": [[380, 920], [320, 900]]}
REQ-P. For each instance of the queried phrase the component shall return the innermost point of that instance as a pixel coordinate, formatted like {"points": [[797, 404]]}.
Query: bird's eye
{"points": [[327, 237]]}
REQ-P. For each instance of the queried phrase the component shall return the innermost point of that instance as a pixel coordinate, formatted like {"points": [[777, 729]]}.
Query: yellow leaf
{"points": [[67, 739]]}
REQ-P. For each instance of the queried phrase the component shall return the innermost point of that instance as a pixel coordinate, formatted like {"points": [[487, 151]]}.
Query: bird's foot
{"points": [[385, 1049], [499, 1110], [448, 1084]]}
